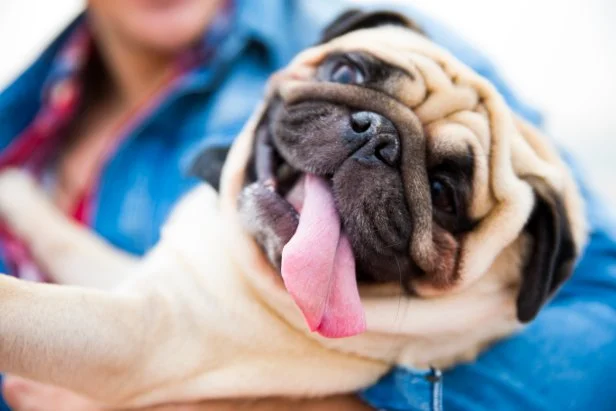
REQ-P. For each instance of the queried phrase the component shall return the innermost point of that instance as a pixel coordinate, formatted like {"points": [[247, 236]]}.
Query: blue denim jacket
{"points": [[560, 362]]}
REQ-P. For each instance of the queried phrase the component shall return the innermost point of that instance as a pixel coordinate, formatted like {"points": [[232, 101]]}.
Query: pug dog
{"points": [[383, 207]]}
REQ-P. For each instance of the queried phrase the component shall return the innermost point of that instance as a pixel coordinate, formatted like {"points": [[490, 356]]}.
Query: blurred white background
{"points": [[560, 56]]}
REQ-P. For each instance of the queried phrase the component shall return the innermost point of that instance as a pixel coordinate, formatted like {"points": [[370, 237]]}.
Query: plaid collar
{"points": [[61, 96]]}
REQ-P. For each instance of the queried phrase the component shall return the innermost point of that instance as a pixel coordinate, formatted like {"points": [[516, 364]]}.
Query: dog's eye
{"points": [[345, 72], [443, 197]]}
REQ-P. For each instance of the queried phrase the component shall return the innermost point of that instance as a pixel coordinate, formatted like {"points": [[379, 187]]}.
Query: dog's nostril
{"points": [[387, 152], [361, 121], [376, 136]]}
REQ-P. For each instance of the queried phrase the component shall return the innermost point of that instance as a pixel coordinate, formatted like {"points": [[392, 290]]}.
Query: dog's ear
{"points": [[355, 19], [552, 252], [207, 164]]}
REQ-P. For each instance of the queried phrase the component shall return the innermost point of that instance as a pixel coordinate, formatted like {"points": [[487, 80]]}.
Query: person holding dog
{"points": [[109, 117]]}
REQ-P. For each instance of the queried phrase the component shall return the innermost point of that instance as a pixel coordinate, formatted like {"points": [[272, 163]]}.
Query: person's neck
{"points": [[134, 72]]}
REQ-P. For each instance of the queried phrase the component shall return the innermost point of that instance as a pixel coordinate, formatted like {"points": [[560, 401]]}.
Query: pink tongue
{"points": [[318, 267]]}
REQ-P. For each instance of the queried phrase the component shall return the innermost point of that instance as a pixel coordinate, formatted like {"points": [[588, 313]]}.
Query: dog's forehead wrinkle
{"points": [[382, 69]]}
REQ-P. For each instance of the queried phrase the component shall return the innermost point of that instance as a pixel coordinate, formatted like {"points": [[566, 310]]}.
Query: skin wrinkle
{"points": [[437, 80], [461, 91], [440, 277], [502, 184]]}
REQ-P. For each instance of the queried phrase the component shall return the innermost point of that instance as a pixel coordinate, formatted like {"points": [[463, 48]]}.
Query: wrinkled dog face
{"points": [[358, 153], [373, 178]]}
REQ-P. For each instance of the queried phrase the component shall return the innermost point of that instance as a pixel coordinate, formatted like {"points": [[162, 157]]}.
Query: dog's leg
{"points": [[149, 341], [90, 341], [69, 252]]}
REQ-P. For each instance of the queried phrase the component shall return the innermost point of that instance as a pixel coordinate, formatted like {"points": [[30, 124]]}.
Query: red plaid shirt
{"points": [[36, 146]]}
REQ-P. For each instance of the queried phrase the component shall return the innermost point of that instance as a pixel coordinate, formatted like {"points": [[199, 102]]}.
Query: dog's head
{"points": [[379, 158]]}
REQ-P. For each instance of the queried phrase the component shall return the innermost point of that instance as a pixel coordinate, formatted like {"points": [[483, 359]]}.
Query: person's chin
{"points": [[161, 36], [172, 42]]}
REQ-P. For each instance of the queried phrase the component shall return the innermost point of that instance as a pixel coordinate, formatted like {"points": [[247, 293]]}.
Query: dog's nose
{"points": [[379, 136]]}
